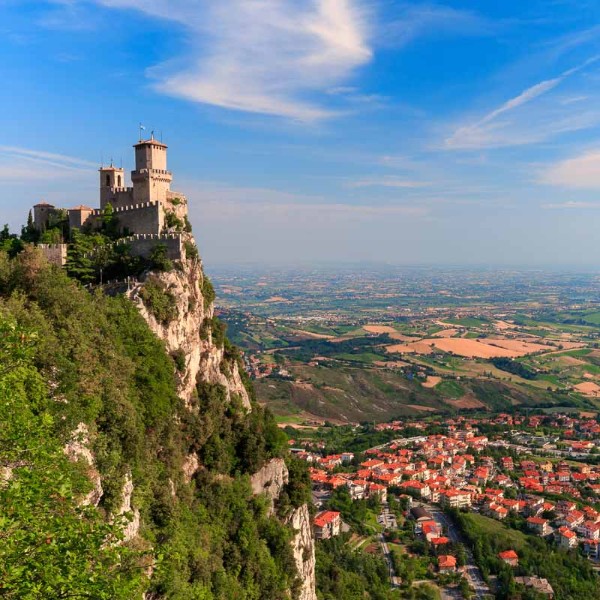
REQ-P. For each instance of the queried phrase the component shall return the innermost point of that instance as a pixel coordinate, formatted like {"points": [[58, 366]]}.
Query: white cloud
{"points": [[511, 125], [262, 56], [581, 171]]}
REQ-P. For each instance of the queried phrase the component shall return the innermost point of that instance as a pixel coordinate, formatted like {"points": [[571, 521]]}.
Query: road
{"points": [[388, 520], [472, 571]]}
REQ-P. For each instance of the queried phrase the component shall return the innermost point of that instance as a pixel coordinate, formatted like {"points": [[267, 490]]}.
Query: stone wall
{"points": [[147, 217], [144, 244], [55, 253]]}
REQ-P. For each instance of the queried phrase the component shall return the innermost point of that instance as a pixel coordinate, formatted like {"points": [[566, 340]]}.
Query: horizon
{"points": [[345, 131]]}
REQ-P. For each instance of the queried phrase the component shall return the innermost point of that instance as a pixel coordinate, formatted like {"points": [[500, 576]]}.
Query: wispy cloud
{"points": [[497, 128], [388, 182], [262, 56], [570, 205], [21, 165], [58, 160], [414, 21], [582, 171]]}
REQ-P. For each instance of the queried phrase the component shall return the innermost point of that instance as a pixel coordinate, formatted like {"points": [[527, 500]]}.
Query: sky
{"points": [[320, 131]]}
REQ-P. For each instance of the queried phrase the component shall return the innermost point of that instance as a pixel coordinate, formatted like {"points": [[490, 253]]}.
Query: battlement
{"points": [[150, 236], [121, 209], [152, 172], [143, 244]]}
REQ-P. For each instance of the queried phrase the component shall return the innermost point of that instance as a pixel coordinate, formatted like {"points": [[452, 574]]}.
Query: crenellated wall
{"points": [[143, 244]]}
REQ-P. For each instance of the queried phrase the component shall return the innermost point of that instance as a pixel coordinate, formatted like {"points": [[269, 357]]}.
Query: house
{"points": [[327, 524], [378, 490], [539, 585], [455, 498], [431, 530], [446, 563], [439, 542], [420, 515], [590, 530], [510, 557], [566, 538], [416, 487], [591, 548], [539, 525]]}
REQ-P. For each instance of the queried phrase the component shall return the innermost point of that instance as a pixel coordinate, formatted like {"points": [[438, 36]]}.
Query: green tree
{"points": [[52, 545]]}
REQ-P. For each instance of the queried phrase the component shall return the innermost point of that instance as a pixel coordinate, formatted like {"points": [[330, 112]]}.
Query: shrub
{"points": [[191, 251], [160, 259], [160, 302], [208, 292], [179, 358]]}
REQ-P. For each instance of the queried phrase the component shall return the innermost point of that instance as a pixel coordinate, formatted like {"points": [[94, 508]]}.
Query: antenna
{"points": [[102, 161]]}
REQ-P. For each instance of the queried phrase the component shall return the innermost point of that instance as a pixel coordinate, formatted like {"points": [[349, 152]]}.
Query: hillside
{"points": [[134, 457], [356, 394]]}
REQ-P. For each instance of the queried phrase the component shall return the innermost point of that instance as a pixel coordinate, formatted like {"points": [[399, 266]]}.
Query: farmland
{"points": [[415, 341]]}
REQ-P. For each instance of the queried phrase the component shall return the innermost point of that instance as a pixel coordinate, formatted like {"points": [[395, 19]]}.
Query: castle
{"points": [[148, 210]]}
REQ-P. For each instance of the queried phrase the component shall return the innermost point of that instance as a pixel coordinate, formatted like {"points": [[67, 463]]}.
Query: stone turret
{"points": [[151, 179]]}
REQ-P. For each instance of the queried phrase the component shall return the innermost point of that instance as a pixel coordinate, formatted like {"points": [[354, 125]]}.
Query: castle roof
{"points": [[81, 207], [42, 203], [111, 168], [151, 142]]}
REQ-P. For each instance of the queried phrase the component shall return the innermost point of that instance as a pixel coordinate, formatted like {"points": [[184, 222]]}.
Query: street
{"points": [[472, 571]]}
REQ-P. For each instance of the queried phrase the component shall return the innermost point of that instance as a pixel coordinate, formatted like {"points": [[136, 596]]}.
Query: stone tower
{"points": [[112, 181], [151, 180]]}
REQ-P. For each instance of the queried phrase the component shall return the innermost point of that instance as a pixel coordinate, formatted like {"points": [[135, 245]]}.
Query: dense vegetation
{"points": [[569, 573], [515, 367], [69, 357], [351, 575]]}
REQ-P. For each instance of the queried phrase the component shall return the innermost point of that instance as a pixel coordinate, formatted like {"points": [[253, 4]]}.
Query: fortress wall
{"points": [[144, 218], [143, 245], [55, 253], [147, 217]]}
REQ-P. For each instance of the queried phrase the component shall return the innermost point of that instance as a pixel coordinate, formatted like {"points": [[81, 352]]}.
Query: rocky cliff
{"points": [[191, 334], [191, 337], [270, 480]]}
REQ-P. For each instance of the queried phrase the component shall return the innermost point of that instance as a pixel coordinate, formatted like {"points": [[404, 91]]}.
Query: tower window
{"points": [[108, 181], [119, 181]]}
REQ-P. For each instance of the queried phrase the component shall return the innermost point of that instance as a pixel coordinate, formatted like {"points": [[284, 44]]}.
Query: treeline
{"points": [[515, 367]]}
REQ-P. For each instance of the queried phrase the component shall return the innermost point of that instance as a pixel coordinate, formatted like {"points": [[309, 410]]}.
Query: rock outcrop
{"points": [[78, 449], [304, 552], [126, 510], [270, 480], [191, 335]]}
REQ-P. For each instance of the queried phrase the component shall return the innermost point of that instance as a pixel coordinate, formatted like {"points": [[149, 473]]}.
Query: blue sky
{"points": [[320, 130]]}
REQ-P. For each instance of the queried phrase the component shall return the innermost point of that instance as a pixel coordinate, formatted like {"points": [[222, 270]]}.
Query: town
{"points": [[521, 476]]}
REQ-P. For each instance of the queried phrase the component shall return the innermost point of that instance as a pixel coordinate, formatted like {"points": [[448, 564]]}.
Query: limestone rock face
{"points": [[132, 527], [78, 449], [270, 480], [303, 545], [190, 334]]}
